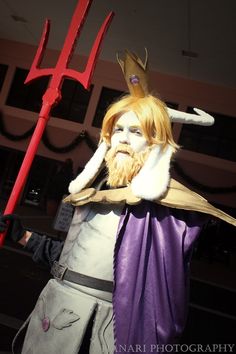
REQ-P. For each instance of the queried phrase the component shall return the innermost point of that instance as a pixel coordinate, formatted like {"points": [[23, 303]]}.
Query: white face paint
{"points": [[127, 130]]}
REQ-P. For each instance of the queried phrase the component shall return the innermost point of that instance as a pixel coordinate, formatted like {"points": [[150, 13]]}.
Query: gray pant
{"points": [[60, 318]]}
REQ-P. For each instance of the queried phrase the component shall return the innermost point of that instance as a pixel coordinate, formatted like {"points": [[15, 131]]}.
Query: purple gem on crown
{"points": [[134, 79]]}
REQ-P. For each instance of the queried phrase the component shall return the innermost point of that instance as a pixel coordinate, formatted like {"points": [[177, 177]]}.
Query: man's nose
{"points": [[124, 137]]}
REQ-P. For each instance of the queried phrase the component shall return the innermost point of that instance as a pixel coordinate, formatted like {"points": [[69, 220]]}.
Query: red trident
{"points": [[53, 93]]}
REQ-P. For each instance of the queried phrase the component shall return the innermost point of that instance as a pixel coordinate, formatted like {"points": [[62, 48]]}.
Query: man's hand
{"points": [[12, 224]]}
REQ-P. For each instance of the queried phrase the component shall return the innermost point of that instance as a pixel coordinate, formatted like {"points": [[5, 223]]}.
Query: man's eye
{"points": [[117, 130], [137, 131]]}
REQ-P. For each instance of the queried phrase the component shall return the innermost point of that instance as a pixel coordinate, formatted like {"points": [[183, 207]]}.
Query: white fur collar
{"points": [[150, 183], [90, 170], [152, 180]]}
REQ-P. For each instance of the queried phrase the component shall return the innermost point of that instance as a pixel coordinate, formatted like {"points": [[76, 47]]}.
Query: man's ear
{"points": [[152, 180]]}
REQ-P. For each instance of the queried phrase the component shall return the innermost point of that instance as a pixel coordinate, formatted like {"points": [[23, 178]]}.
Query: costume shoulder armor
{"points": [[177, 196], [180, 197]]}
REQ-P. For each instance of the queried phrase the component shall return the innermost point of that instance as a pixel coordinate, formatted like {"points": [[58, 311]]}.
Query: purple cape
{"points": [[151, 273]]}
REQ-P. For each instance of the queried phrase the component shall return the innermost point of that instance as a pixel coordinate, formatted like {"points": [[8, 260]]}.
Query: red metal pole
{"points": [[26, 165], [50, 98], [53, 93]]}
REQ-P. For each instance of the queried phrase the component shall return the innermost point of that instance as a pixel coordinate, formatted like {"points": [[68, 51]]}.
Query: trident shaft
{"points": [[52, 95]]}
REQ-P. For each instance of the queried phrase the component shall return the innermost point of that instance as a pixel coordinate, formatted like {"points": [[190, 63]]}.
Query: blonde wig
{"points": [[151, 180], [152, 114]]}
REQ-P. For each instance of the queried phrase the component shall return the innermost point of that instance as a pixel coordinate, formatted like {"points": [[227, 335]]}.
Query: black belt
{"points": [[61, 272]]}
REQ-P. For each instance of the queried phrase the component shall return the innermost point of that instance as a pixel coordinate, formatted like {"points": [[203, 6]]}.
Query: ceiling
{"points": [[207, 28]]}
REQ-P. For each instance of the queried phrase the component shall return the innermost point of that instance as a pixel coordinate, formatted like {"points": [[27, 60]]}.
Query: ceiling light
{"points": [[189, 54], [19, 19]]}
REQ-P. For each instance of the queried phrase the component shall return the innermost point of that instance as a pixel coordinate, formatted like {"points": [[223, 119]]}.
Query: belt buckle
{"points": [[58, 270]]}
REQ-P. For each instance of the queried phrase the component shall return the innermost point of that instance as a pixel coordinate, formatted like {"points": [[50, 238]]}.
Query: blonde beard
{"points": [[121, 172]]}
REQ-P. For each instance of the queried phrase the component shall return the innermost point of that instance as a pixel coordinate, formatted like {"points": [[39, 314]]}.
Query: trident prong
{"points": [[53, 93], [61, 70]]}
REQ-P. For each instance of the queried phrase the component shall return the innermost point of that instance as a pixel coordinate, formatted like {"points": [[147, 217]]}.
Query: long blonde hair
{"points": [[152, 114]]}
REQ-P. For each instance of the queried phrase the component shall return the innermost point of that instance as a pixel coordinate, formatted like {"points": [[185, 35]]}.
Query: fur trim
{"points": [[90, 170], [150, 183], [152, 180]]}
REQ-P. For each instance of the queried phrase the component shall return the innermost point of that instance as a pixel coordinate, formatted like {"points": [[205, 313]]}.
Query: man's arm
{"points": [[23, 241], [45, 250]]}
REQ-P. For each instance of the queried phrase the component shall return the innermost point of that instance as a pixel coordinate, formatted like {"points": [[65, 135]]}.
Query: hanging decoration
{"points": [[14, 137], [83, 136], [67, 148], [208, 189]]}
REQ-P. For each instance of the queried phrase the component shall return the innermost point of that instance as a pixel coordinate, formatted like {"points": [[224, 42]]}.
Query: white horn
{"points": [[201, 118]]}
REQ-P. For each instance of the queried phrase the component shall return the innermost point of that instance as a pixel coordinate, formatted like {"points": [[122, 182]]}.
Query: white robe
{"points": [[63, 310]]}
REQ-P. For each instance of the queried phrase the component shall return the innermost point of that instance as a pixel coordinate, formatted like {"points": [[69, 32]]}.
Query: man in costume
{"points": [[125, 262]]}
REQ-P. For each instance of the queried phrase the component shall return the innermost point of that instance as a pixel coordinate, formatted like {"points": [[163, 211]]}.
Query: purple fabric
{"points": [[152, 257]]}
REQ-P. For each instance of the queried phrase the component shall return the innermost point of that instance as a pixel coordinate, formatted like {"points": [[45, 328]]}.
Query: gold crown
{"points": [[135, 73]]}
